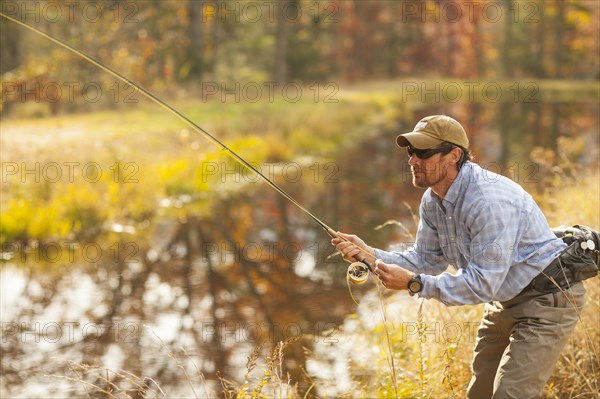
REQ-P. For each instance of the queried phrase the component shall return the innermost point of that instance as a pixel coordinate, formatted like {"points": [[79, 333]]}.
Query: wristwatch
{"points": [[415, 285]]}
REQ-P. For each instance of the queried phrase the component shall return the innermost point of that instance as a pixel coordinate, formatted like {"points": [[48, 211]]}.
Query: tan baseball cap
{"points": [[433, 130]]}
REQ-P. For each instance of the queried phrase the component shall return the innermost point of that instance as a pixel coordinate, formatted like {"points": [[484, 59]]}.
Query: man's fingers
{"points": [[351, 251], [380, 265], [350, 237], [350, 246], [347, 249], [335, 241]]}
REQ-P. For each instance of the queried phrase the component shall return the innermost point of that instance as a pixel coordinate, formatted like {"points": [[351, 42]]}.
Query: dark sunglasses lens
{"points": [[424, 154]]}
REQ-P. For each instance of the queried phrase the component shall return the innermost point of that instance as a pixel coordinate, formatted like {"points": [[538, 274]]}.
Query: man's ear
{"points": [[456, 155]]}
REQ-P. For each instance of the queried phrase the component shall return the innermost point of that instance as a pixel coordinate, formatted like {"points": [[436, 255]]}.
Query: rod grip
{"points": [[332, 233], [364, 254]]}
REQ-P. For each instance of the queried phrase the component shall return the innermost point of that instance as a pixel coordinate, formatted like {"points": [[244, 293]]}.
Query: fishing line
{"points": [[361, 279], [190, 123]]}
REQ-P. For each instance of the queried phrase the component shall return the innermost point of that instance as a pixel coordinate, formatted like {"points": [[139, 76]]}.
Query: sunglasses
{"points": [[424, 154]]}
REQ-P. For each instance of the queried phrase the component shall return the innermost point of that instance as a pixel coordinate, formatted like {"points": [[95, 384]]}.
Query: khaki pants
{"points": [[519, 342]]}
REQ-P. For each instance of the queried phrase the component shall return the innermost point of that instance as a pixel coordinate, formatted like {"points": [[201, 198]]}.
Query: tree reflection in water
{"points": [[176, 305]]}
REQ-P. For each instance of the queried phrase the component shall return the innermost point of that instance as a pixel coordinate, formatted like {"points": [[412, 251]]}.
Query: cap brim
{"points": [[419, 141]]}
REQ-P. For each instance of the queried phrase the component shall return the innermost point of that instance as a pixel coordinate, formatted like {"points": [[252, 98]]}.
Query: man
{"points": [[497, 238]]}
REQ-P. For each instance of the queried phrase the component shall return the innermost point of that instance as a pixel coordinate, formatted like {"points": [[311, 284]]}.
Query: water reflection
{"points": [[198, 302]]}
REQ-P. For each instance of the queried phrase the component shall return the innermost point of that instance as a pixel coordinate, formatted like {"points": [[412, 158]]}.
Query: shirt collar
{"points": [[455, 187]]}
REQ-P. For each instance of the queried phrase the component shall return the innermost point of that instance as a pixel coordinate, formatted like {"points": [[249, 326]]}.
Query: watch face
{"points": [[415, 286]]}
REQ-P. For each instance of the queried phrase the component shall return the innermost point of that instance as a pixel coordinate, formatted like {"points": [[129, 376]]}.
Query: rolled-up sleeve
{"points": [[423, 256]]}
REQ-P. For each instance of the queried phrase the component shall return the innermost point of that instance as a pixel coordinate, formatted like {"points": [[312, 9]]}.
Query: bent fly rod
{"points": [[358, 272]]}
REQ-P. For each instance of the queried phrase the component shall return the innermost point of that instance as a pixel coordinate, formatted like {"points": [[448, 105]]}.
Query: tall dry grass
{"points": [[577, 374]]}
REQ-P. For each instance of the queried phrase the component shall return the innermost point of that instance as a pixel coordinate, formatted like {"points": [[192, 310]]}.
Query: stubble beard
{"points": [[425, 181]]}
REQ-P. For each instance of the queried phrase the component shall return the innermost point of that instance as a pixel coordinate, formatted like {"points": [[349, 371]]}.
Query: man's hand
{"points": [[354, 246], [392, 277]]}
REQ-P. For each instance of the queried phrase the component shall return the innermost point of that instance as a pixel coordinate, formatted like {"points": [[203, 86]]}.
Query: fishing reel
{"points": [[358, 273]]}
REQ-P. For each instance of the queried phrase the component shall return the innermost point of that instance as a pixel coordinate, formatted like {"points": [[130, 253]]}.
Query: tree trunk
{"points": [[196, 35], [559, 57], [281, 44], [9, 46]]}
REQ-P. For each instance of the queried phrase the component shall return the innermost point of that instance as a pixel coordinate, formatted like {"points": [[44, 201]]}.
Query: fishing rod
{"points": [[358, 272]]}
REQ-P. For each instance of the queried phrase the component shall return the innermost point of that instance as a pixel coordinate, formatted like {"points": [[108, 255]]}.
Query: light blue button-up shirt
{"points": [[489, 229]]}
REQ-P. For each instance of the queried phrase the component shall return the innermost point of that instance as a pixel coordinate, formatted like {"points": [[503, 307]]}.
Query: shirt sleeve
{"points": [[425, 255], [494, 230]]}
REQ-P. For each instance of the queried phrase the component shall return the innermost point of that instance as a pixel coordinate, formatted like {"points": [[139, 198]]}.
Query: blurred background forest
{"points": [[137, 255]]}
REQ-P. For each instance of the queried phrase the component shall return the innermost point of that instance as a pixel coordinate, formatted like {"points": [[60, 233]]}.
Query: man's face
{"points": [[429, 171]]}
